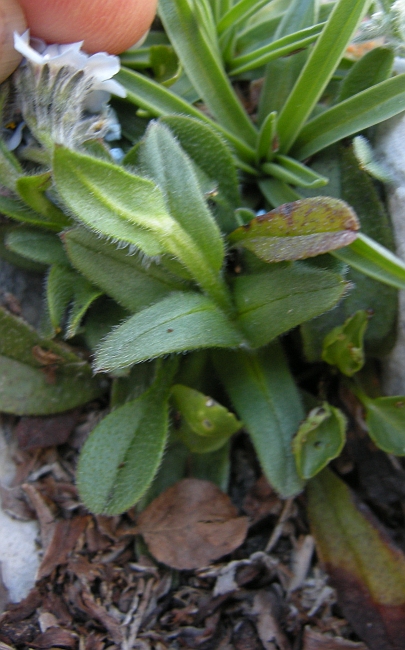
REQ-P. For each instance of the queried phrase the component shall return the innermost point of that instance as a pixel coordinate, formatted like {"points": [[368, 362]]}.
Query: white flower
{"points": [[63, 93], [99, 67]]}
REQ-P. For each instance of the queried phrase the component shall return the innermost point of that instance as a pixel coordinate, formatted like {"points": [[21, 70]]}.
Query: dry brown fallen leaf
{"points": [[316, 641], [191, 524]]}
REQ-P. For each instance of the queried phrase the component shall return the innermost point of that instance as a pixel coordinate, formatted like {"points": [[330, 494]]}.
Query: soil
{"points": [[99, 587]]}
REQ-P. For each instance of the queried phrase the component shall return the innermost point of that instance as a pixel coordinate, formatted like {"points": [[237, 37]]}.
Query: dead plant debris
{"points": [[100, 588], [191, 524]]}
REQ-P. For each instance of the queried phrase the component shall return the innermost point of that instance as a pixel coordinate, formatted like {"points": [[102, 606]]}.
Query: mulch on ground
{"points": [[99, 587]]}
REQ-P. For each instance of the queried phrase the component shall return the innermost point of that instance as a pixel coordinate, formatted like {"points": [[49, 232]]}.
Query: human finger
{"points": [[11, 19], [104, 25]]}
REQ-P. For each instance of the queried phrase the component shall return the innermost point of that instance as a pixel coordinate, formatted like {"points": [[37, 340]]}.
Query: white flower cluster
{"points": [[99, 67], [63, 94]]}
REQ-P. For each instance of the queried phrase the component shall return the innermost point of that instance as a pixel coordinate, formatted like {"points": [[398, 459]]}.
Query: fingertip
{"points": [[104, 25], [11, 19]]}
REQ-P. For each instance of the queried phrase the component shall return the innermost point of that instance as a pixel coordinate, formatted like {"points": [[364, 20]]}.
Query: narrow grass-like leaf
{"points": [[319, 439], [203, 68], [357, 113], [159, 101], [272, 303], [373, 68], [374, 260], [261, 28], [144, 283], [319, 68], [291, 171], [281, 74], [298, 230], [267, 141], [266, 398], [240, 13], [180, 322], [282, 47], [278, 192]]}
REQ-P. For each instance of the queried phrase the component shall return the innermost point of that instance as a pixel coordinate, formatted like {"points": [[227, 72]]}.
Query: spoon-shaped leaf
{"points": [[297, 230]]}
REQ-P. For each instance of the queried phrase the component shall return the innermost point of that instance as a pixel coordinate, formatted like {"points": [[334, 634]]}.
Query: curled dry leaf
{"points": [[191, 524]]}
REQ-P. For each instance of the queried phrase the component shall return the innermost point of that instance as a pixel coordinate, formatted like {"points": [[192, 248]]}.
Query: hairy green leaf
{"points": [[162, 159], [130, 208], [40, 246], [40, 376], [272, 303], [180, 322], [122, 454], [144, 283], [210, 153], [266, 398], [65, 288], [32, 190], [54, 388], [14, 209]]}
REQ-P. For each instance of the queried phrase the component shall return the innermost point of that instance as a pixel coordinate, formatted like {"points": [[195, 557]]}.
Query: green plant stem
{"points": [[211, 282]]}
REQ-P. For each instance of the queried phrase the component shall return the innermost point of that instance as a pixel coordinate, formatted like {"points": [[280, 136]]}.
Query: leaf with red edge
{"points": [[365, 567], [299, 230]]}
